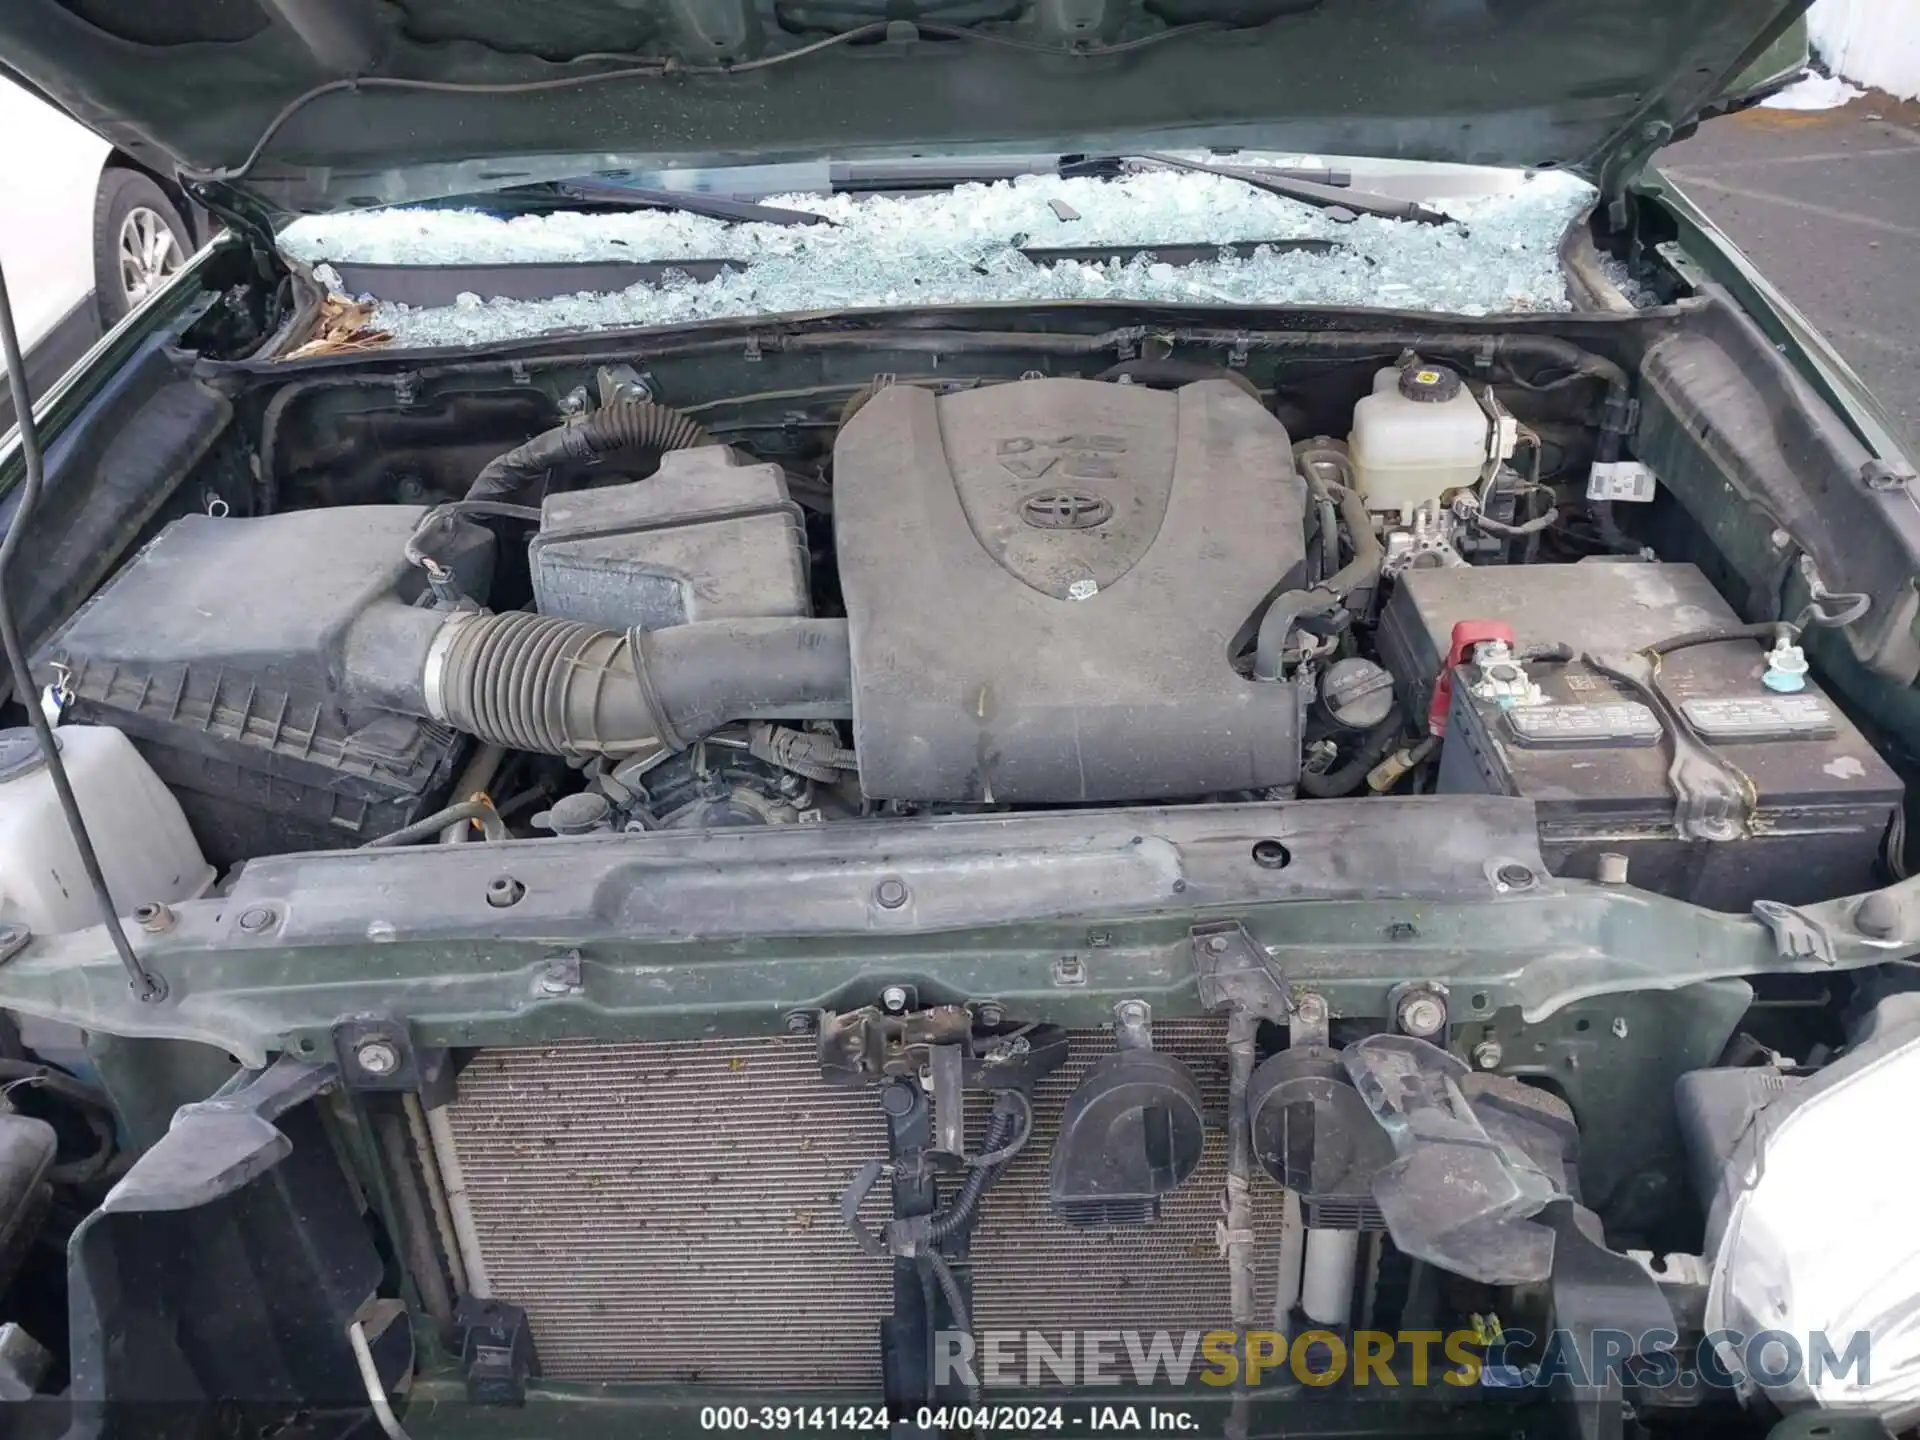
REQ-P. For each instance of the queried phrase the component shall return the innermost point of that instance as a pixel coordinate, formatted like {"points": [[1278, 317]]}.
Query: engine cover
{"points": [[1046, 582]]}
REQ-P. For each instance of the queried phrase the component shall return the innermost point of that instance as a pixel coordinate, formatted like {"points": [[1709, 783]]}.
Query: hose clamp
{"points": [[439, 654]]}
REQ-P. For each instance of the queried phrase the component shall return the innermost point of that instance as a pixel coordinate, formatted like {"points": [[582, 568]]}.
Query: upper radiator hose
{"points": [[562, 687], [637, 425]]}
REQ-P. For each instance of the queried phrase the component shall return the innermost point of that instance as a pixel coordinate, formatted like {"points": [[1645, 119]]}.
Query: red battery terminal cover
{"points": [[1466, 635]]}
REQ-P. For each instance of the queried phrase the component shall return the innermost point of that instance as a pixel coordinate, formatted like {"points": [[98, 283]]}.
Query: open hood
{"points": [[321, 104]]}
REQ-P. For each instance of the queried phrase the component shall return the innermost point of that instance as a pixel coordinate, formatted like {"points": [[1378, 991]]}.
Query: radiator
{"points": [[669, 1212]]}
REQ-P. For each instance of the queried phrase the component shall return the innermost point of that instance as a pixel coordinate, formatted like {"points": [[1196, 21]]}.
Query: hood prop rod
{"points": [[148, 986]]}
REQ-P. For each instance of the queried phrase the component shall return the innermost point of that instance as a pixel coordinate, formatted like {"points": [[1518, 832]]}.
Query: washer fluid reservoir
{"points": [[1418, 435], [145, 848]]}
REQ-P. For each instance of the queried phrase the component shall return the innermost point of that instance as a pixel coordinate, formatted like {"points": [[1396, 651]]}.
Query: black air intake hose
{"points": [[629, 425], [1292, 606], [561, 687], [1370, 751]]}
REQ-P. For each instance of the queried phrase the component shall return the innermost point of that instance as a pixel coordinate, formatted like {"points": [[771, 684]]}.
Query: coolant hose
{"points": [[639, 426], [1290, 607], [562, 687]]}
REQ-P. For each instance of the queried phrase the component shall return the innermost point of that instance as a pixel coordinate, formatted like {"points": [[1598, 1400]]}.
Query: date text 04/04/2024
{"points": [[1008, 1419]]}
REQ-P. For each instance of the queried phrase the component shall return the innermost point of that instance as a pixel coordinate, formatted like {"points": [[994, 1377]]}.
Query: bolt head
{"points": [[1132, 1012], [890, 894], [1310, 1008], [990, 1014], [799, 1023], [256, 919], [894, 998], [154, 918], [377, 1057], [1422, 1014], [1488, 1054], [1620, 1027]]}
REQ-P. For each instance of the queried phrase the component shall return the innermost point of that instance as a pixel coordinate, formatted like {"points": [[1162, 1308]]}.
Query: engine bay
{"points": [[923, 595], [771, 857]]}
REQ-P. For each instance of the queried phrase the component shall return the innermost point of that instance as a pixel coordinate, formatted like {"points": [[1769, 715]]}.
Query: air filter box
{"points": [[220, 649], [1594, 757]]}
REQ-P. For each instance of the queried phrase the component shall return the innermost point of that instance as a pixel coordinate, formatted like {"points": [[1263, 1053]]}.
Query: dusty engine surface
{"points": [[1045, 583]]}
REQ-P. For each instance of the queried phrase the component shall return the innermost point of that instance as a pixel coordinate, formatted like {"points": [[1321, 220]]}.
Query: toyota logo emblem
{"points": [[1065, 510]]}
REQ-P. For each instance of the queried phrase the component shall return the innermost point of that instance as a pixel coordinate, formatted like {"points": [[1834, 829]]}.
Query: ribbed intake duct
{"points": [[511, 678], [560, 687]]}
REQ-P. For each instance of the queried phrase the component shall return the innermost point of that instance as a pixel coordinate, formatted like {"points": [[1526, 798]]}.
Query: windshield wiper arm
{"points": [[690, 202], [1307, 192]]}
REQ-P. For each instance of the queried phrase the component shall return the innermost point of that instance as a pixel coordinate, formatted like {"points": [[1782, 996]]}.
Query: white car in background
{"points": [[85, 234]]}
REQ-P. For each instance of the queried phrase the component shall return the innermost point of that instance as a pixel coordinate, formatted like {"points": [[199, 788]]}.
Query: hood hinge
{"points": [[251, 221], [1626, 166]]}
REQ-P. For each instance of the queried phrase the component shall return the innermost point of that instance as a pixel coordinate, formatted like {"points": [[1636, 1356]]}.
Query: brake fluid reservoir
{"points": [[146, 850], [1418, 435]]}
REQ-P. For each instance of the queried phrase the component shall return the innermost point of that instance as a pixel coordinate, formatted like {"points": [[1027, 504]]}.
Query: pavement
{"points": [[1827, 204]]}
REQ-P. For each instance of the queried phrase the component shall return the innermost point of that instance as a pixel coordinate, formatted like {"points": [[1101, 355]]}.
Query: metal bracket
{"points": [[1132, 1025], [618, 383], [1236, 973], [247, 217], [377, 1053], [1310, 1023], [1796, 934], [1885, 475], [864, 1045]]}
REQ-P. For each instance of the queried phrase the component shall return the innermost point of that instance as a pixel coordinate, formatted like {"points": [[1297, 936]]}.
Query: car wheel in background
{"points": [[139, 240]]}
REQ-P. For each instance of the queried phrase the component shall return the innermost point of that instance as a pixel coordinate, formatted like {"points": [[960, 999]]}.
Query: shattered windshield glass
{"points": [[973, 244]]}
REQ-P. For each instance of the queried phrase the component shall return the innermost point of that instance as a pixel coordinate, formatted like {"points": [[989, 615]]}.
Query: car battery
{"points": [[1595, 757]]}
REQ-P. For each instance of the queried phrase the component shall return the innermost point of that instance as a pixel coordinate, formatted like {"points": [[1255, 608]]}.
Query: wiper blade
{"points": [[688, 202], [866, 177], [1307, 192], [1196, 252]]}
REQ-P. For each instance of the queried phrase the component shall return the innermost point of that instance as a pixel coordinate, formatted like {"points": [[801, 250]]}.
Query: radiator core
{"points": [[668, 1212]]}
